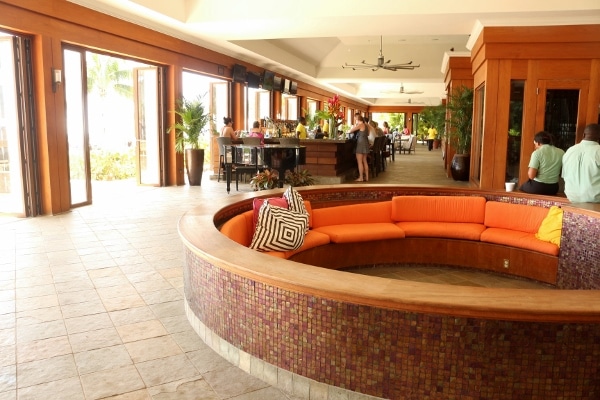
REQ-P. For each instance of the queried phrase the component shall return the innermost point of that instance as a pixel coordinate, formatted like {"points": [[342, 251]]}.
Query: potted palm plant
{"points": [[459, 130], [189, 140]]}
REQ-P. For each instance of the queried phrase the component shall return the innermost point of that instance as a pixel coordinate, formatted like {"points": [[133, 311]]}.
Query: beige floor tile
{"points": [[101, 359], [43, 349], [8, 320], [63, 389], [141, 330], [32, 303], [7, 336], [135, 395], [8, 355], [9, 395], [74, 286], [93, 263], [61, 277], [88, 323], [161, 296], [10, 295], [171, 272], [125, 289], [207, 360], [109, 281], [35, 291], [123, 302], [168, 309], [144, 276], [43, 330], [38, 316], [47, 370], [81, 309], [164, 370], [131, 315], [178, 323], [8, 378], [111, 382], [188, 340], [152, 286], [232, 382], [97, 339], [78, 297], [151, 349], [111, 271], [33, 281], [185, 389]]}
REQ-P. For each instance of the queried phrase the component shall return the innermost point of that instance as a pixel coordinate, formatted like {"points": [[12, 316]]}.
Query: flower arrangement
{"points": [[334, 108]]}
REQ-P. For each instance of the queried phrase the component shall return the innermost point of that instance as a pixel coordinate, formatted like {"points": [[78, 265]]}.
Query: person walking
{"points": [[581, 168], [431, 136], [544, 166]]}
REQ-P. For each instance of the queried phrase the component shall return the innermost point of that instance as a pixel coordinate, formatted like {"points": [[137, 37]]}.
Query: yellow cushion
{"points": [[551, 227]]}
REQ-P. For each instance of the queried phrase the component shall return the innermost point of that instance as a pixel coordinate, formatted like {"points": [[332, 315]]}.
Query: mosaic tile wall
{"points": [[394, 354], [579, 261], [407, 355]]}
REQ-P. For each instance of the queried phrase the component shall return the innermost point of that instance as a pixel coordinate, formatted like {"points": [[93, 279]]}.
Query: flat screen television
{"points": [[268, 80], [277, 83], [286, 86], [253, 80], [239, 73], [294, 87]]}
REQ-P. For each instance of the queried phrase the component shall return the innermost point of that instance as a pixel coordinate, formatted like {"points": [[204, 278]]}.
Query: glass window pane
{"points": [[515, 123], [561, 116]]}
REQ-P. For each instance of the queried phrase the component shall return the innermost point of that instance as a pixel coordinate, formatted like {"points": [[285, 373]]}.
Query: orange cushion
{"points": [[312, 239], [522, 240], [455, 230], [347, 233], [352, 214], [309, 211], [239, 228], [439, 209], [518, 217]]}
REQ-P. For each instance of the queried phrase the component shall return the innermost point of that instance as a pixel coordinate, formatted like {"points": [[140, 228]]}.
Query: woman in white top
{"points": [[227, 130]]}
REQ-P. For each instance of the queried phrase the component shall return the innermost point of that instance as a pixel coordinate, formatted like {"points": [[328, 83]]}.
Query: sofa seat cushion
{"points": [[312, 239], [363, 213], [470, 209], [456, 230], [347, 233], [519, 239]]}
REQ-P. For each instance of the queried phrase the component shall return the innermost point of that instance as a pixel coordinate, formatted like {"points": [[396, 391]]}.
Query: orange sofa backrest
{"points": [[239, 228], [352, 214], [517, 217], [469, 209]]}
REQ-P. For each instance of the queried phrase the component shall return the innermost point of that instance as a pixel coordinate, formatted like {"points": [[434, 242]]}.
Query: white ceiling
{"points": [[310, 40]]}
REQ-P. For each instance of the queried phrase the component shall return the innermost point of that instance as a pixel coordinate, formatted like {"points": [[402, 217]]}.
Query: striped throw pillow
{"points": [[279, 229]]}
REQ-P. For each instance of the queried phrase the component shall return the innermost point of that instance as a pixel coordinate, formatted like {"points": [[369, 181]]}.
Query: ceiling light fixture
{"points": [[381, 63]]}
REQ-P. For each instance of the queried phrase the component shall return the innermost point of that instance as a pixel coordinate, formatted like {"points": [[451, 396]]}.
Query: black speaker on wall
{"points": [[239, 73], [268, 80], [253, 80]]}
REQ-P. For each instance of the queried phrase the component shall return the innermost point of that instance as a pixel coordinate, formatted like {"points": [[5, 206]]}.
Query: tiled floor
{"points": [[91, 301]]}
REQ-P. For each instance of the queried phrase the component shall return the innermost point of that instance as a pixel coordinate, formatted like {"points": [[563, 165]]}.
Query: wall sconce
{"points": [[56, 79]]}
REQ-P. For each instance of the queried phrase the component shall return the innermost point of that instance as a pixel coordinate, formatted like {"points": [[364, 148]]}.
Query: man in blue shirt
{"points": [[581, 168]]}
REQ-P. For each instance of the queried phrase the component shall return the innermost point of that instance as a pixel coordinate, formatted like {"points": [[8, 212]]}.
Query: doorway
{"points": [[114, 121]]}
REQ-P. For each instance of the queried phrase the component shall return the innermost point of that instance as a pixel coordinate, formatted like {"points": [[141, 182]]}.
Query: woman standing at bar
{"points": [[362, 147]]}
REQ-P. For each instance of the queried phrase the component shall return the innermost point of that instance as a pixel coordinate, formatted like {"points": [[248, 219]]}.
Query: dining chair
{"points": [[222, 142]]}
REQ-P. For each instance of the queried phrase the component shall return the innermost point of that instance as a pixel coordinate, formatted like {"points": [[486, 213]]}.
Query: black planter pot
{"points": [[460, 167], [194, 165]]}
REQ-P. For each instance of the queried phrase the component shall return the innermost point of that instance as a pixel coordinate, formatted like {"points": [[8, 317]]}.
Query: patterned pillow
{"points": [[278, 229], [295, 202], [257, 204]]}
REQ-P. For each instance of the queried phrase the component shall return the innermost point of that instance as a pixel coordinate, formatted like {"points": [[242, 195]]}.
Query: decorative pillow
{"points": [[257, 204], [279, 229], [551, 227], [295, 202]]}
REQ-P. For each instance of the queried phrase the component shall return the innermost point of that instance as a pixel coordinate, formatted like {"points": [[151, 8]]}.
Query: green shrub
{"points": [[110, 166]]}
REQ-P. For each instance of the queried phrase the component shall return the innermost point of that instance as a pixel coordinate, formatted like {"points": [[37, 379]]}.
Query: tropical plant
{"points": [[298, 178], [105, 75], [460, 119], [264, 180], [312, 120], [433, 116], [193, 119]]}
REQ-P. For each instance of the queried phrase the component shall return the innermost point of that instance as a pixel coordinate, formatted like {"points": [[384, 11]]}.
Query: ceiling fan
{"points": [[402, 91], [381, 63], [409, 101]]}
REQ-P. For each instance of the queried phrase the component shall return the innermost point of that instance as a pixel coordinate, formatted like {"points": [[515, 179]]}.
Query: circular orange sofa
{"points": [[325, 333]]}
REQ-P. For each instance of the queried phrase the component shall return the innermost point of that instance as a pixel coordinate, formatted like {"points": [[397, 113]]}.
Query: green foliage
{"points": [[110, 166], [460, 121], [396, 120], [264, 180], [312, 120], [302, 178], [105, 75], [193, 119], [433, 116]]}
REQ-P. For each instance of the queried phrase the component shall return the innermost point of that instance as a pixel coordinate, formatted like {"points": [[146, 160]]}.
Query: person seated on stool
{"points": [[544, 166], [318, 133], [257, 132]]}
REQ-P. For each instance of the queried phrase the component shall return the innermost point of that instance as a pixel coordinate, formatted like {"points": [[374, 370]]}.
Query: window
{"points": [[289, 107], [515, 123], [258, 104]]}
